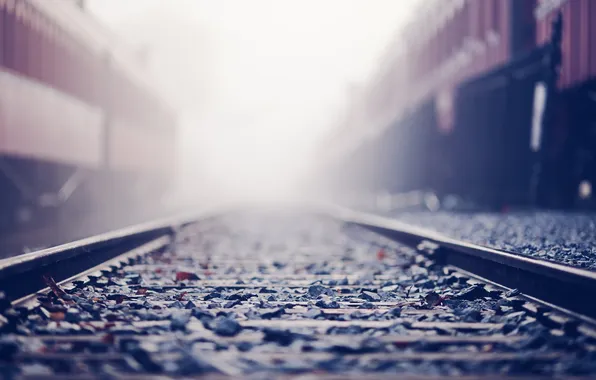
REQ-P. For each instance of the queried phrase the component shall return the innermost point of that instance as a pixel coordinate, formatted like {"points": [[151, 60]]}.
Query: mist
{"points": [[257, 84]]}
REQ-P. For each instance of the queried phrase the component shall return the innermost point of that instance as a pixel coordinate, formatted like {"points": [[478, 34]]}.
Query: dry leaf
{"points": [[49, 281], [183, 276]]}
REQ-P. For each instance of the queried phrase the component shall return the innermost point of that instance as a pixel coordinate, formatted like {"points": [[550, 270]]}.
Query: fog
{"points": [[257, 83]]}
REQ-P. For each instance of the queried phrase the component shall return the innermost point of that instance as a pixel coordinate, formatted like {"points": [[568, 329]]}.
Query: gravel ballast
{"points": [[556, 236], [269, 296]]}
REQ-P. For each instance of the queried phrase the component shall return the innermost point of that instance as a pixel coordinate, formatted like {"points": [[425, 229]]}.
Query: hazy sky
{"points": [[257, 81]]}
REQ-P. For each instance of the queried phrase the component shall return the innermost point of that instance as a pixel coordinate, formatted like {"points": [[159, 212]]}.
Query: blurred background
{"points": [[256, 84], [114, 112]]}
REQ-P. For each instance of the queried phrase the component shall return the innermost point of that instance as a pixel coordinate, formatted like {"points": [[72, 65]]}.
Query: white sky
{"points": [[258, 82]]}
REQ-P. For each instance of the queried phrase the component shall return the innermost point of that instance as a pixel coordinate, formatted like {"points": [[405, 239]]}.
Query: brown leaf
{"points": [[57, 316], [182, 276], [49, 281], [142, 291]]}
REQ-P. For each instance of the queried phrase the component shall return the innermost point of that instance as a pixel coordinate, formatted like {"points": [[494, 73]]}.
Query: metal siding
{"points": [[60, 64], [492, 33], [43, 47], [494, 21], [539, 30], [9, 42], [78, 77], [60, 61], [34, 47], [68, 70], [542, 31], [565, 46], [481, 59], [523, 26], [95, 79], [87, 72], [464, 34], [433, 61], [429, 64], [2, 32], [575, 41], [450, 35], [442, 42], [465, 23], [474, 32], [48, 52], [30, 37], [448, 43], [422, 61], [20, 40], [531, 21], [459, 29], [546, 30], [584, 36], [579, 31], [69, 76], [504, 31], [545, 25], [591, 38], [80, 70], [570, 26], [488, 28], [60, 129]]}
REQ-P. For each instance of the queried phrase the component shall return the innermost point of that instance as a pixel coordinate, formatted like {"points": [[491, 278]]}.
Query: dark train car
{"points": [[487, 111], [81, 131], [493, 100], [571, 155], [480, 148]]}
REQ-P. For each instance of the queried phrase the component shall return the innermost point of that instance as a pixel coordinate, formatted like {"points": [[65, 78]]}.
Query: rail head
{"points": [[22, 263]]}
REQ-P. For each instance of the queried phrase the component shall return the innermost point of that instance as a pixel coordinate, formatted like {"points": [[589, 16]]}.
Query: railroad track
{"points": [[250, 294]]}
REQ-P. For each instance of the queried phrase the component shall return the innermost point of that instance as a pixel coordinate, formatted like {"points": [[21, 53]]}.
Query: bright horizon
{"points": [[258, 82]]}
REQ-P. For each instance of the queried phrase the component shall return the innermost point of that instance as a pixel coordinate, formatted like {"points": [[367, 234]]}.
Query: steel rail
{"points": [[24, 274], [562, 285], [565, 286]]}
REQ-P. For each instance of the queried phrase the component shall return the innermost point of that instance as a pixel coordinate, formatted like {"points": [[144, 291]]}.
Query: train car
{"points": [[81, 129], [491, 99], [572, 150]]}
